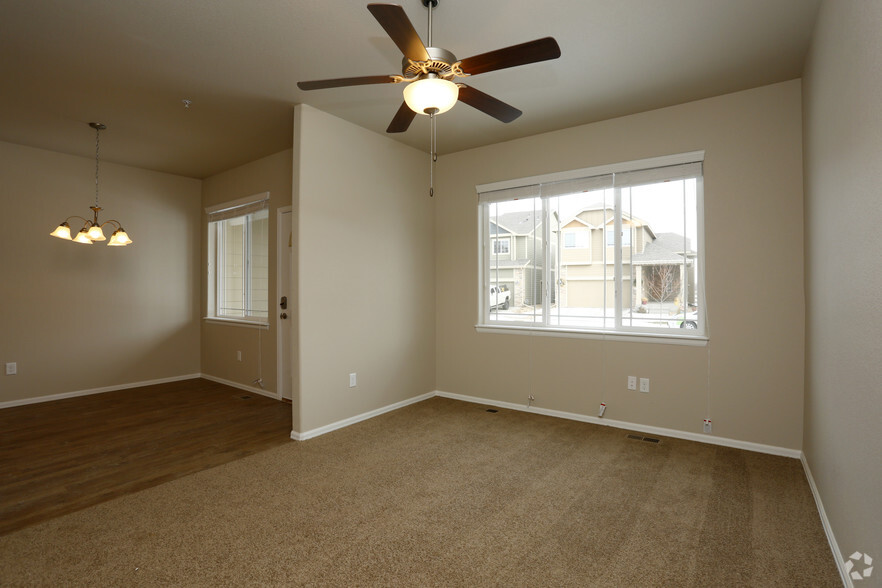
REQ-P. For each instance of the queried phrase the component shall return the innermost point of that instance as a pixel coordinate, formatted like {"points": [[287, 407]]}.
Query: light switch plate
{"points": [[11, 368], [352, 380]]}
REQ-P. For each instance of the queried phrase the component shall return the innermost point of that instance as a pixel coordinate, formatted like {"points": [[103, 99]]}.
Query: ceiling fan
{"points": [[429, 71]]}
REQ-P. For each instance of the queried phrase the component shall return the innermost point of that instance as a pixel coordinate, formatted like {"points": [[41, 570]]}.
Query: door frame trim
{"points": [[281, 213]]}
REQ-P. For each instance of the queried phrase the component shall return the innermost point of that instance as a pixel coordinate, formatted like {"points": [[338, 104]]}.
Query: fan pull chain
{"points": [[433, 154]]}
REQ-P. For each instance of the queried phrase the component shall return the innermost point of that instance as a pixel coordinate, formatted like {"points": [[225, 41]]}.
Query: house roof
{"points": [[610, 220], [665, 248], [518, 223]]}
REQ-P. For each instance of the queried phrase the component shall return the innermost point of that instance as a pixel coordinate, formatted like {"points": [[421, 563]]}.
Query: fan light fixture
{"points": [[431, 95], [92, 229], [429, 72]]}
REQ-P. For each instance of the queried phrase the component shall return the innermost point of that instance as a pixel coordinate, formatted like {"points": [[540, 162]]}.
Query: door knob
{"points": [[284, 315]]}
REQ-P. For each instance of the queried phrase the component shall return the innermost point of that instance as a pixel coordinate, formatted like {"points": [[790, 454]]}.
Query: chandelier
{"points": [[93, 230]]}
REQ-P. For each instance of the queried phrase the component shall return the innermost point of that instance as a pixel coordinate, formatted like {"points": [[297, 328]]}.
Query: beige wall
{"points": [[366, 279], [79, 317], [221, 342], [843, 180], [753, 202]]}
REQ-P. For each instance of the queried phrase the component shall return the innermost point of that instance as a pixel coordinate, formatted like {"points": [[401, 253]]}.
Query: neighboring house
{"points": [[656, 267], [666, 270], [653, 266], [516, 257]]}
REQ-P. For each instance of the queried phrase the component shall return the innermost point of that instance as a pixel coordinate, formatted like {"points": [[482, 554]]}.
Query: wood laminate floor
{"points": [[61, 456]]}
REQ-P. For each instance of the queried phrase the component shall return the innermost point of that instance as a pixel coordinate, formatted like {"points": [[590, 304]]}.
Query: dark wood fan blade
{"points": [[488, 104], [402, 119], [394, 20], [340, 82], [529, 52]]}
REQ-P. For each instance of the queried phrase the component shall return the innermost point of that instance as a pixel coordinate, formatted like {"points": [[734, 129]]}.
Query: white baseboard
{"points": [[831, 539], [358, 418], [51, 397], [245, 387], [700, 437]]}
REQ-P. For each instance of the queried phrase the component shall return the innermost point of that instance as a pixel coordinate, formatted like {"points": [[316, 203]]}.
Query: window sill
{"points": [[664, 339], [232, 322]]}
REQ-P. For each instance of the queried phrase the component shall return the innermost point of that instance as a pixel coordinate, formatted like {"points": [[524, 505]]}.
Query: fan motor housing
{"points": [[440, 62]]}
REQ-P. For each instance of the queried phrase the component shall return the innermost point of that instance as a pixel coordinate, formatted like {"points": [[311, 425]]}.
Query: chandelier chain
{"points": [[97, 144]]}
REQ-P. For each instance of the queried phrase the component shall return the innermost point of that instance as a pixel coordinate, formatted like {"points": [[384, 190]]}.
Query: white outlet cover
{"points": [[644, 384], [352, 380], [632, 382], [11, 368]]}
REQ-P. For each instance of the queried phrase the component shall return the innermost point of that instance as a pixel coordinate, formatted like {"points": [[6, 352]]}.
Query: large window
{"points": [[615, 249], [238, 260]]}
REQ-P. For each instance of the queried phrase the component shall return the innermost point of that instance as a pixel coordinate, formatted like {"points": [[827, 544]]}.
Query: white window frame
{"points": [[497, 246], [530, 188], [241, 208], [576, 233], [610, 232]]}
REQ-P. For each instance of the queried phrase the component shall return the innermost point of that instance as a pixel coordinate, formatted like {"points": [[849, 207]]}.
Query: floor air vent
{"points": [[245, 397], [492, 410], [642, 438]]}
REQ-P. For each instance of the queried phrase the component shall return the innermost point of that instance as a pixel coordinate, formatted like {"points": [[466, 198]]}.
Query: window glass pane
{"points": [[259, 259], [514, 293], [659, 265], [581, 298], [232, 268]]}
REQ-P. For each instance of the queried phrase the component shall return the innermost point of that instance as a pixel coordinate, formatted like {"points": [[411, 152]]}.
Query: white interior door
{"points": [[285, 303]]}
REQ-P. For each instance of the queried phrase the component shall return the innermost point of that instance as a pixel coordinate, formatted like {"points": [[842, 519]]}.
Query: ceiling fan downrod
{"points": [[430, 4]]}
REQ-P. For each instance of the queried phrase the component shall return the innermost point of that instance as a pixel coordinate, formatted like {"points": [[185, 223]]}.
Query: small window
{"points": [[501, 246], [611, 237], [576, 239], [238, 260]]}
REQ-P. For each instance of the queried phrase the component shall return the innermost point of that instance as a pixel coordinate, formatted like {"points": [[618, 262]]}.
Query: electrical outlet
{"points": [[644, 385], [708, 428], [11, 368], [352, 380], [632, 382]]}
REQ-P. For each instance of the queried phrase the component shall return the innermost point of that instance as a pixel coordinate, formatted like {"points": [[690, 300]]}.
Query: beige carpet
{"points": [[446, 493]]}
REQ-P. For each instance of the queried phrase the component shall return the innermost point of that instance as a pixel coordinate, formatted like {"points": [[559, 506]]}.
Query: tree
{"points": [[662, 282]]}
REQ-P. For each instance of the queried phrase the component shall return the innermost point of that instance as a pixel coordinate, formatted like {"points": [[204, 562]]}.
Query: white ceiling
{"points": [[130, 63]]}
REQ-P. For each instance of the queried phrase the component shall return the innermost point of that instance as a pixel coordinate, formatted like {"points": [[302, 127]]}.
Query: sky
{"points": [[661, 205]]}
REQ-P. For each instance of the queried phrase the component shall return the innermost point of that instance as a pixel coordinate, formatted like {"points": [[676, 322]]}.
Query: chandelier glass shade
{"points": [[93, 229], [431, 95]]}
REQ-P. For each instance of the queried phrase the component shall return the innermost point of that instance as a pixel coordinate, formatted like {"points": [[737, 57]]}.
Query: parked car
{"points": [[690, 321], [499, 297]]}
